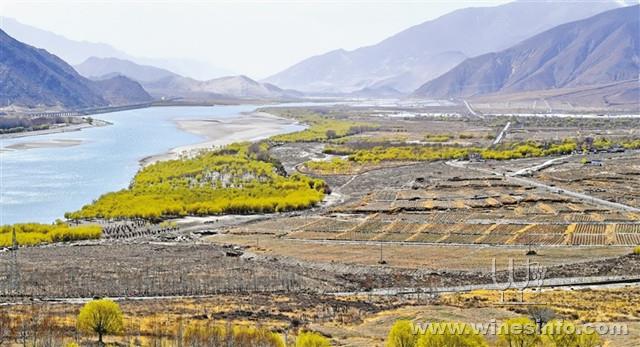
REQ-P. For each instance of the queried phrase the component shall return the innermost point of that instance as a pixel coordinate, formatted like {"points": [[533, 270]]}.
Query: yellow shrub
{"points": [[311, 339], [31, 234]]}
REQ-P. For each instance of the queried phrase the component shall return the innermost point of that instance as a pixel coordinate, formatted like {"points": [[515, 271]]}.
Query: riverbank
{"points": [[55, 130], [41, 184], [250, 126]]}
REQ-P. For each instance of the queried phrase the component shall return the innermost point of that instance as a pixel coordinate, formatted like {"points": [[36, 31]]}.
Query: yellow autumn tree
{"points": [[101, 317], [402, 335]]}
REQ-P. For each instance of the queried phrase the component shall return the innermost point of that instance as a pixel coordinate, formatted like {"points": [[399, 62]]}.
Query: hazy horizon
{"points": [[254, 38]]}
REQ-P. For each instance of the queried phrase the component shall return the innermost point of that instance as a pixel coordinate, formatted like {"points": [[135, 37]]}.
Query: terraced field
{"points": [[431, 228]]}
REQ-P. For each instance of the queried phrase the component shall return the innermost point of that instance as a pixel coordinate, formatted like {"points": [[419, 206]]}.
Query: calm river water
{"points": [[41, 184]]}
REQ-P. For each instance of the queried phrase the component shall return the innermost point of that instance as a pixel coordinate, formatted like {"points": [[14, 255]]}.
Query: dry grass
{"points": [[372, 331], [150, 321], [448, 257], [584, 305]]}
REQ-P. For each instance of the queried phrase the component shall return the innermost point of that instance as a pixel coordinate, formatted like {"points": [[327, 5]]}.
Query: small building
{"points": [[595, 163]]}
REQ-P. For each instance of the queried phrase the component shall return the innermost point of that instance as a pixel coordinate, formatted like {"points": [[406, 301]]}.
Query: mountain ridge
{"points": [[413, 56], [597, 50], [96, 67], [239, 86], [31, 76], [75, 52]]}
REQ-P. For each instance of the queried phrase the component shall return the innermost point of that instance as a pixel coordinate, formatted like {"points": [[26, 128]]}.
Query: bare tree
{"points": [[6, 328], [541, 315]]}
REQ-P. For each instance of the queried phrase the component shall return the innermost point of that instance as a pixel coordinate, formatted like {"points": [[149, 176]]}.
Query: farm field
{"points": [[413, 255], [388, 228], [320, 173], [611, 176]]}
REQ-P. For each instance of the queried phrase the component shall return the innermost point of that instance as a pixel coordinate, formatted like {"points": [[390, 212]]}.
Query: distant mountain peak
{"points": [[602, 49], [94, 67], [409, 58], [76, 52], [236, 86]]}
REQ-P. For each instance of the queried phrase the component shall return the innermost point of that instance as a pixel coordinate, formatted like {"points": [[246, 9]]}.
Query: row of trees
{"points": [[240, 178], [104, 320], [20, 124], [116, 274], [30, 234], [323, 128], [375, 153]]}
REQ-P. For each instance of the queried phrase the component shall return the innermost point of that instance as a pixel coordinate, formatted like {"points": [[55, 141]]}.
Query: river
{"points": [[41, 184]]}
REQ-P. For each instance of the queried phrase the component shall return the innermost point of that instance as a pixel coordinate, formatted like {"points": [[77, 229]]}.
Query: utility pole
{"points": [[13, 266], [381, 260], [14, 239]]}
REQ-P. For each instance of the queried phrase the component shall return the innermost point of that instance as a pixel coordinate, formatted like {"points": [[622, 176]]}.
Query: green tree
{"points": [[100, 317], [311, 339], [451, 334], [402, 335], [518, 332]]}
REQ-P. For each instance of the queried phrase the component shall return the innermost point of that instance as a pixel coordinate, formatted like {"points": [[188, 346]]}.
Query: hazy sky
{"points": [[257, 38]]}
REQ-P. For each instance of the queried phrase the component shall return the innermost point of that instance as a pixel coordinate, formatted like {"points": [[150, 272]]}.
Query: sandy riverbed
{"points": [[45, 144], [247, 127]]}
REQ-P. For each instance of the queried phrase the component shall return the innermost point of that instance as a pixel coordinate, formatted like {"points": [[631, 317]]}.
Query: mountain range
{"points": [[241, 87], [75, 52], [30, 76], [416, 55], [96, 67], [591, 55], [596, 51], [163, 83]]}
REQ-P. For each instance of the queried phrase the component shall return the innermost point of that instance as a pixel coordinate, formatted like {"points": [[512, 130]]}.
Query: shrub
{"points": [[437, 138], [566, 334], [311, 339], [402, 335], [333, 166], [521, 332], [451, 334], [212, 334]]}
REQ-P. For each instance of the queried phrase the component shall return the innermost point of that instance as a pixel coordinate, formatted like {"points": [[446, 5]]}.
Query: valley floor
{"points": [[409, 239]]}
